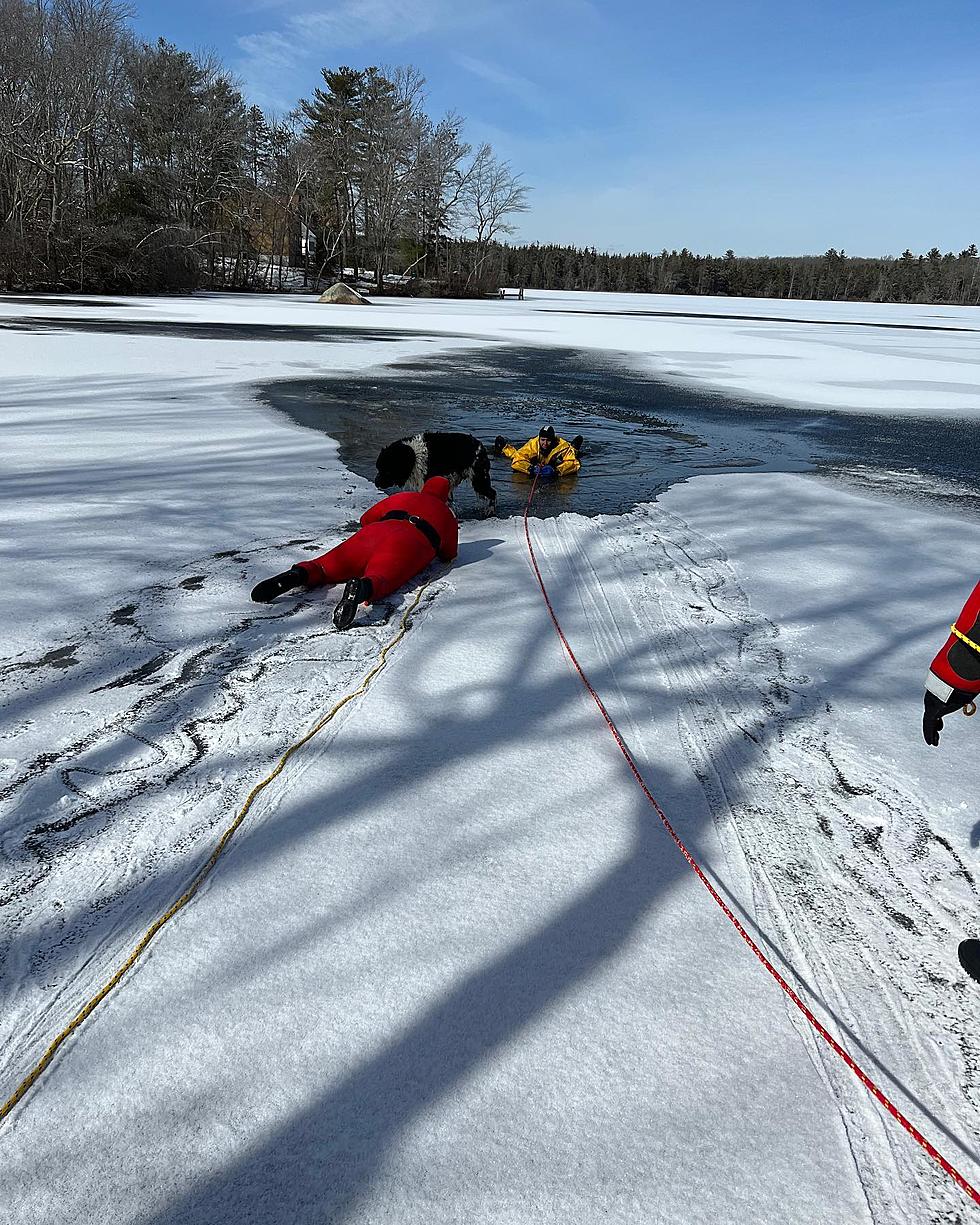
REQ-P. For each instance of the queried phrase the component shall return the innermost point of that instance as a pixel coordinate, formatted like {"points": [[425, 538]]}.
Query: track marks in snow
{"points": [[832, 855], [121, 772], [847, 877]]}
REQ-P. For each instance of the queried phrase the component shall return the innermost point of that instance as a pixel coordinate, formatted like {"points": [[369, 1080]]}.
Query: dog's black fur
{"points": [[410, 462]]}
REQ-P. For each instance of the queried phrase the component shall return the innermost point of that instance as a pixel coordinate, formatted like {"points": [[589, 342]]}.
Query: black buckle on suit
{"points": [[427, 530]]}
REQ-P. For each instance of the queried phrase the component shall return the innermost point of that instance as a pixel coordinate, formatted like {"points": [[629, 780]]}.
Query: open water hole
{"points": [[642, 435]]}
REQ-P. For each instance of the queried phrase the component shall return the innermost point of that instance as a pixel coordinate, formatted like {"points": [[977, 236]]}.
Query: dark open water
{"points": [[641, 435]]}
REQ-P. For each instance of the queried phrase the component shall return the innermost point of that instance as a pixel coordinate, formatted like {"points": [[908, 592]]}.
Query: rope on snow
{"points": [[85, 1012], [877, 1093]]}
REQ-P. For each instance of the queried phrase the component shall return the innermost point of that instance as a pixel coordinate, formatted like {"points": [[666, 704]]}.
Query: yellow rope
{"points": [[963, 638], [226, 837]]}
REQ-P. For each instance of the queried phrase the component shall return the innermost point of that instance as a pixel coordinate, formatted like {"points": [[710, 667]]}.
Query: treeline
{"points": [[834, 276], [135, 167], [131, 166]]}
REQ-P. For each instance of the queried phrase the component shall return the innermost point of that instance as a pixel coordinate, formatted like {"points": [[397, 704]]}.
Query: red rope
{"points": [[832, 1042]]}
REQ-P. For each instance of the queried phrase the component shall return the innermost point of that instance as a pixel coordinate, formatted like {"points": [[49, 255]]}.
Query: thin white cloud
{"points": [[533, 96], [269, 52], [356, 22], [269, 59], [268, 64]]}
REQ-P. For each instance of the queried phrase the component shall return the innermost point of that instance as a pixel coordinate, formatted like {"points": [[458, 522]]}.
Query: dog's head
{"points": [[395, 464]]}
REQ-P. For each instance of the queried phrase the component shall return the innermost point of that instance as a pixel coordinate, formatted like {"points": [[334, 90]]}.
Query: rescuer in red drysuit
{"points": [[953, 679], [952, 682], [399, 536]]}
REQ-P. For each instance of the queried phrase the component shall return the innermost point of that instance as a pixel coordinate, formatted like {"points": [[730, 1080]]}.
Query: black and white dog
{"points": [[410, 462]]}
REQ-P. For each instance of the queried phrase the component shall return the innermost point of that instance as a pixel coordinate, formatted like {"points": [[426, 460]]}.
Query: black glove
{"points": [[498, 444], [577, 442], [969, 955], [936, 710]]}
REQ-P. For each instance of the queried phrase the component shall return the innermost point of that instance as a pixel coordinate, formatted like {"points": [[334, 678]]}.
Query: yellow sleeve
{"points": [[567, 462], [522, 459]]}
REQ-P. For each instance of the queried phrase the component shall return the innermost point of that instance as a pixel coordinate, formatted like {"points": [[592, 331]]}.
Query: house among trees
{"points": [[307, 244]]}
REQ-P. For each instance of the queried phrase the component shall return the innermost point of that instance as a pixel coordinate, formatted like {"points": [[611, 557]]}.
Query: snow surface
{"points": [[865, 357], [452, 968]]}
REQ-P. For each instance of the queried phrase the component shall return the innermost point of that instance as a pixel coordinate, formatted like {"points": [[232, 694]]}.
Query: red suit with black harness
{"points": [[953, 679], [952, 683], [399, 536]]}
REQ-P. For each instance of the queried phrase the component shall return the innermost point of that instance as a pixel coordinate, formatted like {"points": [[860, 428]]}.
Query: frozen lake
{"points": [[645, 432], [420, 985]]}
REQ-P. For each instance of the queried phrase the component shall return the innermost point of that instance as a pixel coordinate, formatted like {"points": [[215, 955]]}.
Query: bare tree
{"points": [[60, 65], [130, 165], [492, 193], [395, 124], [440, 179]]}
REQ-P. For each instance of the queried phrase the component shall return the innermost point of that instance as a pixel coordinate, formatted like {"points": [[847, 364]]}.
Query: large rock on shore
{"points": [[343, 295]]}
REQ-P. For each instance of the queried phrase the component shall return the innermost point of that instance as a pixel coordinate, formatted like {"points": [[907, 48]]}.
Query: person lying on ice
{"points": [[953, 679], [952, 682], [545, 455], [399, 536]]}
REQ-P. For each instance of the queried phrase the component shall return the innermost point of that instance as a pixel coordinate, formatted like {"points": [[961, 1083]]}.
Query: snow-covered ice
{"points": [[452, 968]]}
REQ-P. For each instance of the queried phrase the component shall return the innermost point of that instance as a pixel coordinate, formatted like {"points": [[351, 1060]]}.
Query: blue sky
{"points": [[768, 126]]}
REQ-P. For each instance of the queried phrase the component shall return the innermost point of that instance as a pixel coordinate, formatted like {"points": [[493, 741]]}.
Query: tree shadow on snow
{"points": [[325, 1157]]}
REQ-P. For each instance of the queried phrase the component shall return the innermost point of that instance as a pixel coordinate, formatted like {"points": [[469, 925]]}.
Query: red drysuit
{"points": [[957, 666], [391, 551]]}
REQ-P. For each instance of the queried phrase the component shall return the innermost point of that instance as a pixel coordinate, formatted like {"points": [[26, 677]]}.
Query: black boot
{"points": [[266, 591], [969, 954], [577, 443], [356, 592]]}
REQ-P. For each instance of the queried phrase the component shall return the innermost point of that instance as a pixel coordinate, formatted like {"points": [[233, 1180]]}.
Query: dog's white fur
{"points": [[419, 474], [420, 471]]}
